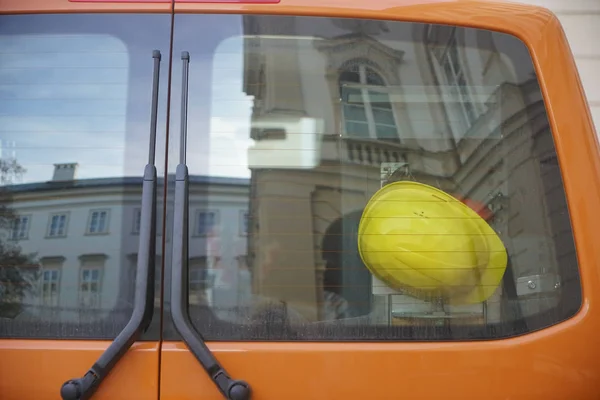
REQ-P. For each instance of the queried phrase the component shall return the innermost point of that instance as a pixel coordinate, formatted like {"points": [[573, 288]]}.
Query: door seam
{"points": [[164, 207]]}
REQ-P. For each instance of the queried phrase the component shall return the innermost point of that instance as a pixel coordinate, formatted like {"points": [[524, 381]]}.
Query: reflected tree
{"points": [[17, 270]]}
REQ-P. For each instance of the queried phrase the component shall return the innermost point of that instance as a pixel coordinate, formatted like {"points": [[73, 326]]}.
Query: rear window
{"points": [[75, 97], [308, 119]]}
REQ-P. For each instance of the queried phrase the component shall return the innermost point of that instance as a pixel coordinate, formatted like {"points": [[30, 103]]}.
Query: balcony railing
{"points": [[361, 152]]}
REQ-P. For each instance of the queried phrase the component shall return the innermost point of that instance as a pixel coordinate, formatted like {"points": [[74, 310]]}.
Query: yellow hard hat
{"points": [[430, 245]]}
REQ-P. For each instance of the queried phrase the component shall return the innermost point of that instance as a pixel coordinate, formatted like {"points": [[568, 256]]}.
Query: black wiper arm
{"points": [[84, 388], [230, 388]]}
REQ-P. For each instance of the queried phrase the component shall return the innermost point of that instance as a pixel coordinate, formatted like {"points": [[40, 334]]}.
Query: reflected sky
{"points": [[64, 98]]}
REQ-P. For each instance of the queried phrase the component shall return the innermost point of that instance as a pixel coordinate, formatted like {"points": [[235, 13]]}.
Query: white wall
{"points": [[120, 241], [77, 242]]}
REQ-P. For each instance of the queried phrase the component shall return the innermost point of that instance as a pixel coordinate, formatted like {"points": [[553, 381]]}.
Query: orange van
{"points": [[184, 188]]}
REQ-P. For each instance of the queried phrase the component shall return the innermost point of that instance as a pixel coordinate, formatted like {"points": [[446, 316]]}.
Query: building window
{"points": [[49, 281], [197, 278], [20, 228], [89, 287], [98, 222], [206, 222], [49, 287], [244, 223], [367, 111], [90, 280], [200, 280], [242, 262], [137, 220], [457, 84], [58, 225]]}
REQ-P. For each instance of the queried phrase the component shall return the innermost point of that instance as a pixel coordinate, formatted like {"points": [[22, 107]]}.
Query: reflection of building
{"points": [[486, 137], [84, 235]]}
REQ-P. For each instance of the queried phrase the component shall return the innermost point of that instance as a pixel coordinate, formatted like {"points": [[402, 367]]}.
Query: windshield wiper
{"points": [[83, 388], [230, 388]]}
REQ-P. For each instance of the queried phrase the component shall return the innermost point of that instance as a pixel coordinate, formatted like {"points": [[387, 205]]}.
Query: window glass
{"points": [[301, 121], [98, 222], [75, 95]]}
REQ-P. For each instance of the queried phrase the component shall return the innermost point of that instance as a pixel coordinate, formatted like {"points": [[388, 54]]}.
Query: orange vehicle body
{"points": [[559, 362]]}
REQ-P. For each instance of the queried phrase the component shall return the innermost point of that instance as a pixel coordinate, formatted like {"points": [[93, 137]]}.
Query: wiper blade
{"points": [[231, 389], [84, 388]]}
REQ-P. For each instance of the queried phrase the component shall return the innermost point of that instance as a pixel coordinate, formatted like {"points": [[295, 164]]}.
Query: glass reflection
{"points": [[294, 124], [307, 118], [75, 96]]}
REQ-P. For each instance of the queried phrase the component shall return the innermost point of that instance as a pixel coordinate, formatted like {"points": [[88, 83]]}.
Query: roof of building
{"points": [[119, 181]]}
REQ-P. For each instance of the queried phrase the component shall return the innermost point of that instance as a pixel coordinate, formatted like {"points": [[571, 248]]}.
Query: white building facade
{"points": [[83, 238], [581, 21]]}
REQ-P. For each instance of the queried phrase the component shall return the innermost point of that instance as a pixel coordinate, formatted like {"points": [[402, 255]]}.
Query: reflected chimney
{"points": [[65, 172]]}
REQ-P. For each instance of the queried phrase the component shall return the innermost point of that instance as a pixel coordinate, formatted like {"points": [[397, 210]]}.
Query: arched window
{"points": [[366, 108], [455, 76]]}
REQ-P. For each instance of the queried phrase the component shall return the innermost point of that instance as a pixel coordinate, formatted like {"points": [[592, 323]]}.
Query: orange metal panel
{"points": [[121, 1], [36, 369], [349, 8], [48, 6], [557, 363], [524, 368]]}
